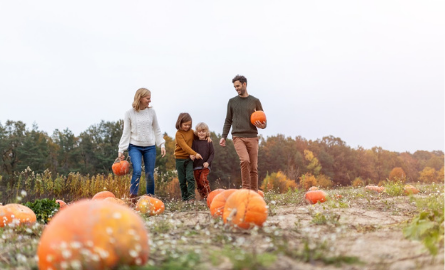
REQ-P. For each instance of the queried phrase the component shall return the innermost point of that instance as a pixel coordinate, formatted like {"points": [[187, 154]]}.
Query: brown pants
{"points": [[247, 150], [201, 182]]}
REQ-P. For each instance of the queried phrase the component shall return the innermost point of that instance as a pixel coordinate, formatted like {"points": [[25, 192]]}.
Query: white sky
{"points": [[369, 72]]}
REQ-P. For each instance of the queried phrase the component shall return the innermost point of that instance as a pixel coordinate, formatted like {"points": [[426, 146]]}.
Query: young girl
{"points": [[201, 167], [183, 150]]}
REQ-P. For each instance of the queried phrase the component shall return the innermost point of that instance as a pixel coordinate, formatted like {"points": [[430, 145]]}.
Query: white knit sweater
{"points": [[141, 129]]}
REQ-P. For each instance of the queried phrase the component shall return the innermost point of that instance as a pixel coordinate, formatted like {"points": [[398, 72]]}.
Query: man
{"points": [[244, 133]]}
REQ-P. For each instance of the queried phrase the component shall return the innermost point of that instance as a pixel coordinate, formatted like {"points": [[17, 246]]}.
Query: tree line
{"points": [[94, 151]]}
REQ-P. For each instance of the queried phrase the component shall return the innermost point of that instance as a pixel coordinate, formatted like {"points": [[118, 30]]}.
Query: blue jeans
{"points": [[136, 153]]}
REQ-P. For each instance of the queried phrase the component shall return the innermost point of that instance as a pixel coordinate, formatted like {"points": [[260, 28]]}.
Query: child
{"points": [[183, 150], [201, 167]]}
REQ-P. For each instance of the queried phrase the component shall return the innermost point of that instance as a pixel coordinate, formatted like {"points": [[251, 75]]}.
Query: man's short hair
{"points": [[239, 78]]}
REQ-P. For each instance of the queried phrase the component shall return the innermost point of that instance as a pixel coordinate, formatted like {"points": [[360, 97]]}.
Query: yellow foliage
{"points": [[313, 166], [428, 175], [397, 174], [440, 176], [324, 181], [278, 182], [358, 182], [307, 180]]}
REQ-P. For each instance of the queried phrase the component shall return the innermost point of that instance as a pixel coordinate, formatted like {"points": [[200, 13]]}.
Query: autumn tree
{"points": [[313, 165], [278, 182], [308, 180], [397, 174], [428, 175]]}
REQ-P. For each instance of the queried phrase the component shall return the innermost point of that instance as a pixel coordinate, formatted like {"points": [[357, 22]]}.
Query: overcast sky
{"points": [[369, 72]]}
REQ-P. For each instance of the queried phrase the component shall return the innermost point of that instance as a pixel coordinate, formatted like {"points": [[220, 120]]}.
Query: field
{"points": [[360, 230]]}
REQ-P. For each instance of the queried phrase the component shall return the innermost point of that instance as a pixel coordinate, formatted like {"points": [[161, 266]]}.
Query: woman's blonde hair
{"points": [[140, 93], [202, 126]]}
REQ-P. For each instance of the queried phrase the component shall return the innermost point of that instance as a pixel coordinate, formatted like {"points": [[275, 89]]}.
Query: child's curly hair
{"points": [[202, 126]]}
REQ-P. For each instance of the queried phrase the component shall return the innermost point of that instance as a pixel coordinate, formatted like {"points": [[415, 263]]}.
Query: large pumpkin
{"points": [[150, 206], [217, 205], [103, 194], [258, 116], [244, 209], [93, 235], [16, 214], [120, 167], [212, 195], [375, 188], [314, 196]]}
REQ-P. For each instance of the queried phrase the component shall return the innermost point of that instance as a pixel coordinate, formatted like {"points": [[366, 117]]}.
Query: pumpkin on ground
{"points": [[120, 167], [115, 200], [375, 188], [93, 235], [217, 206], [61, 203], [212, 195], [261, 193], [103, 194], [314, 196], [410, 189], [313, 188], [16, 214], [258, 116], [150, 206], [244, 209]]}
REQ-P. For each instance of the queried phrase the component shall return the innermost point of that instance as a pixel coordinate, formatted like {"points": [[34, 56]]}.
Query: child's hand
{"points": [[206, 164], [198, 156], [192, 157]]}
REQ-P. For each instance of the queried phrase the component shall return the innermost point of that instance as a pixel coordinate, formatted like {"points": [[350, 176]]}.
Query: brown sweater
{"points": [[184, 142]]}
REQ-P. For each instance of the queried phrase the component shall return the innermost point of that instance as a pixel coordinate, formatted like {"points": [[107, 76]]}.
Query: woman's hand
{"points": [[163, 152], [121, 156]]}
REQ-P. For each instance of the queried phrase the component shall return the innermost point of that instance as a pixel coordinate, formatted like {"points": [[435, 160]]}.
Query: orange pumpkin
{"points": [[16, 214], [212, 195], [93, 234], [244, 209], [258, 116], [314, 196], [375, 188], [61, 203], [150, 206], [261, 193], [114, 200], [120, 167], [410, 189], [217, 205], [103, 194], [313, 188]]}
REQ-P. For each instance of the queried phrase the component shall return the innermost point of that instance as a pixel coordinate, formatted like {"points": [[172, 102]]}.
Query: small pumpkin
{"points": [[61, 203], [244, 209], [375, 188], [258, 116], [150, 206], [261, 193], [217, 205], [102, 195], [314, 196], [212, 195], [313, 188], [94, 235], [16, 214], [410, 189], [120, 167]]}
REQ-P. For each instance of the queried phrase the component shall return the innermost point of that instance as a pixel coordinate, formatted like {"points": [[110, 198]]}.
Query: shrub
{"points": [[308, 180], [397, 174], [278, 182], [358, 182], [324, 181]]}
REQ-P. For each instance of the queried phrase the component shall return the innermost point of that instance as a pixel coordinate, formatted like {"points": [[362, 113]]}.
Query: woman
{"points": [[141, 133]]}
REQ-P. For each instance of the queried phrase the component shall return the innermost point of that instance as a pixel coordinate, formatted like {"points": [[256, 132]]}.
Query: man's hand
{"points": [[258, 124], [222, 142]]}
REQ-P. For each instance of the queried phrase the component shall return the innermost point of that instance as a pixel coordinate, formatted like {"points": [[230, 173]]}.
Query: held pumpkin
{"points": [[258, 116], [102, 195], [212, 195], [16, 214], [244, 209], [314, 196], [120, 167], [150, 206], [93, 234], [217, 206]]}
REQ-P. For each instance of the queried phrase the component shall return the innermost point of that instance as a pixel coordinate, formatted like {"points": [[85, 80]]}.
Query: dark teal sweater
{"points": [[239, 110]]}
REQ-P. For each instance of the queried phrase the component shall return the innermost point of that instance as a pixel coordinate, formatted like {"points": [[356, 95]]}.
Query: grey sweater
{"points": [[239, 110]]}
